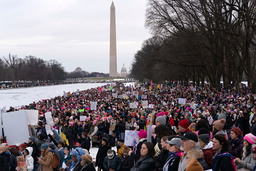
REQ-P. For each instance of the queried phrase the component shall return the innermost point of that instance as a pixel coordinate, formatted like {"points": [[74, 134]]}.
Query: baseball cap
{"points": [[189, 136], [174, 141]]}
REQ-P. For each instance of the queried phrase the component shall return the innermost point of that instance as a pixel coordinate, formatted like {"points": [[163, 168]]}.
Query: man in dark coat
{"points": [[102, 152], [112, 161], [4, 158]]}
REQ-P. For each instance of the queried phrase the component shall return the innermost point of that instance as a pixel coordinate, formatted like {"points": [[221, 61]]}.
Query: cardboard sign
{"points": [[134, 105], [93, 105], [145, 104], [182, 101]]}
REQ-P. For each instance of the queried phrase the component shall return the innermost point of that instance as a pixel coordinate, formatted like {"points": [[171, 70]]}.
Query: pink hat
{"points": [[160, 114], [71, 123], [142, 133], [250, 138], [94, 122]]}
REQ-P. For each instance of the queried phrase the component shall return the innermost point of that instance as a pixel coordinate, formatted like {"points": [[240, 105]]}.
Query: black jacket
{"points": [[102, 153], [4, 161], [85, 143], [144, 164], [223, 164], [161, 159], [203, 163], [128, 163]]}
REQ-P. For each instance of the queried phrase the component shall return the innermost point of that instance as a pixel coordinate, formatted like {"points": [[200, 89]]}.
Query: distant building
{"points": [[78, 69], [123, 71]]}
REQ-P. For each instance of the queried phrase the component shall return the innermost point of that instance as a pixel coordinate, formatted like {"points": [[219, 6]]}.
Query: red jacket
{"points": [[208, 155]]}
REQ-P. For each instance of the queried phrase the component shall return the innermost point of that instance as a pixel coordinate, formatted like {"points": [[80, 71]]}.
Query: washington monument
{"points": [[112, 57]]}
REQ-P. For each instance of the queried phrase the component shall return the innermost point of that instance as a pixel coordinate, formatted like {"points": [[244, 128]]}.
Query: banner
{"points": [[93, 105], [49, 120], [182, 101], [131, 138]]}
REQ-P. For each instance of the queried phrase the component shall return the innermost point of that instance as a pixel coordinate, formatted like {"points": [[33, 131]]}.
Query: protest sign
{"points": [[145, 104], [131, 138], [21, 165], [49, 120], [82, 118], [114, 95], [93, 105], [134, 105], [144, 97], [149, 133], [151, 106], [81, 110], [182, 101], [48, 130], [32, 116], [15, 127]]}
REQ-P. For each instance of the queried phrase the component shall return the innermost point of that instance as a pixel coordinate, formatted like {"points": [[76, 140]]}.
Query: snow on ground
{"points": [[24, 96]]}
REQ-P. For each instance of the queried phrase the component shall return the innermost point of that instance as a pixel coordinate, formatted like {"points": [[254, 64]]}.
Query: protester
{"points": [[120, 150], [4, 158], [192, 161], [127, 161], [162, 157], [236, 143], [172, 162], [247, 161], [85, 164], [47, 158], [112, 162], [102, 153], [65, 158], [29, 161], [13, 160], [146, 161], [222, 160], [142, 136]]}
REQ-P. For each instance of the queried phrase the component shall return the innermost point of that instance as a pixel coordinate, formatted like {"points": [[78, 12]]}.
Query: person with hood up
{"points": [[102, 153], [127, 161], [206, 145], [112, 162], [29, 161], [35, 153]]}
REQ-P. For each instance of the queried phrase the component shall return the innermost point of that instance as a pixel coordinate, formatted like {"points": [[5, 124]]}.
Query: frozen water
{"points": [[24, 96]]}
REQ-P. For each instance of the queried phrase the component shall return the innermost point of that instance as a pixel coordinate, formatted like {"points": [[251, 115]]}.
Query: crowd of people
{"points": [[191, 128]]}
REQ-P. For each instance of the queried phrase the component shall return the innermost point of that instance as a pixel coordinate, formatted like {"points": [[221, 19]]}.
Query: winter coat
{"points": [[247, 162], [144, 164], [4, 160], [120, 151], [172, 163], [13, 162], [208, 153], [47, 161], [61, 155], [102, 153], [87, 167], [127, 163], [203, 163], [115, 163], [92, 132], [141, 124], [223, 163], [236, 147], [29, 159], [65, 160], [161, 159], [35, 153], [85, 143], [121, 126], [183, 161]]}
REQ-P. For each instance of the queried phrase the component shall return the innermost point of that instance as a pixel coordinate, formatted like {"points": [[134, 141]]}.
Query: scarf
{"points": [[225, 154], [170, 160]]}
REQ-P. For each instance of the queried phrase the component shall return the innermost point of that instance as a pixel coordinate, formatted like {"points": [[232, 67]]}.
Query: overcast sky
{"points": [[73, 32]]}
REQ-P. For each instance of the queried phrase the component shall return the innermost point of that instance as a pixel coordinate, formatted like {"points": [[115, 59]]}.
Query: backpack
{"points": [[56, 161]]}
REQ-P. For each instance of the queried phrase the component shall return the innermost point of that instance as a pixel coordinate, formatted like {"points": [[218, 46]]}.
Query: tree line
{"points": [[199, 40], [30, 68]]}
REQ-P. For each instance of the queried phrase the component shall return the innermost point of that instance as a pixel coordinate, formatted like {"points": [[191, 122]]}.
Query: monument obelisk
{"points": [[112, 57]]}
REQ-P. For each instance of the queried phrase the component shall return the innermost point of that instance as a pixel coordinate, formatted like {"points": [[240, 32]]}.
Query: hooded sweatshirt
{"points": [[29, 159]]}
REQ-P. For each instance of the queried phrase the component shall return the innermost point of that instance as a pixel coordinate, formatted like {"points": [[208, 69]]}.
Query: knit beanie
{"points": [[194, 165], [160, 114], [219, 124], [250, 138], [161, 119], [204, 137], [184, 123], [44, 146], [237, 131], [203, 131], [142, 134], [126, 149]]}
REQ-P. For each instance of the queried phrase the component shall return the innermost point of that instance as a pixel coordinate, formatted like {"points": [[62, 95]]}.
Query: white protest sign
{"points": [[32, 116], [125, 96], [182, 101], [164, 103], [49, 120], [131, 138], [135, 93], [82, 118], [114, 95], [134, 105], [144, 97], [15, 127], [120, 96], [93, 105], [145, 104], [151, 106], [48, 130]]}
